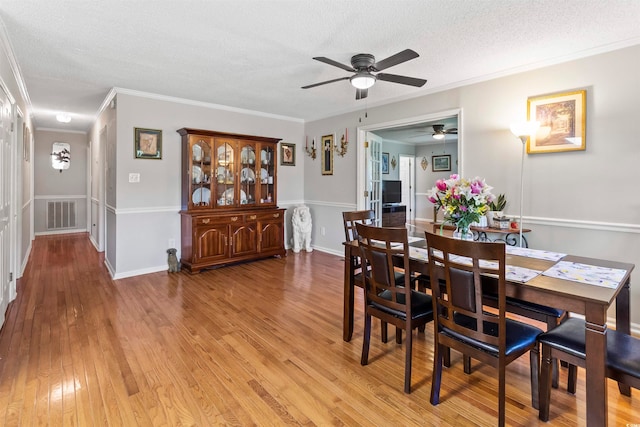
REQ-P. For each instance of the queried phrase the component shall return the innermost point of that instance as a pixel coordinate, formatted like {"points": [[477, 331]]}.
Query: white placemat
{"points": [[585, 273], [535, 253]]}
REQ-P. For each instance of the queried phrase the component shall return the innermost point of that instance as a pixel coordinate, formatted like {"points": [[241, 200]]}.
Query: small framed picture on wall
{"points": [[148, 143], [441, 163], [287, 154], [327, 155], [385, 162]]}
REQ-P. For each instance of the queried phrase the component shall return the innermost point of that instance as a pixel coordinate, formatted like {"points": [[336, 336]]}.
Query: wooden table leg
{"points": [[596, 353], [347, 319], [623, 324]]}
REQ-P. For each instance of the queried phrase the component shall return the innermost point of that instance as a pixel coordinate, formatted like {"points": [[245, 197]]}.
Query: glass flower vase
{"points": [[462, 233]]}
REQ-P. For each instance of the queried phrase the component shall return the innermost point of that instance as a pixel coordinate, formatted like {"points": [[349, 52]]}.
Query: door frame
{"points": [[361, 132], [411, 207]]}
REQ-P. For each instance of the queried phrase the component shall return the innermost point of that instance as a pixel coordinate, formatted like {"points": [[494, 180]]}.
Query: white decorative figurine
{"points": [[301, 221]]}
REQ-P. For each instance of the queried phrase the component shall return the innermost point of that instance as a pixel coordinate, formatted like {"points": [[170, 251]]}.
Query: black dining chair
{"points": [[460, 321], [391, 302], [368, 217], [548, 315], [567, 342]]}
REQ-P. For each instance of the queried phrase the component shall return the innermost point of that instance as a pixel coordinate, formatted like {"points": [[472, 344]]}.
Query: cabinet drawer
{"points": [[218, 219], [270, 216], [251, 217]]}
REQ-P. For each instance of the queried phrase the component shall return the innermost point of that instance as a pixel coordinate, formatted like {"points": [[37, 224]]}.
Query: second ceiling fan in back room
{"points": [[439, 131], [364, 65]]}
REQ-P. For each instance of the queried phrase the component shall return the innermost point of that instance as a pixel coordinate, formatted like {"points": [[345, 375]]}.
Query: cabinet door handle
{"points": [[234, 218], [252, 217], [206, 221], [276, 215]]}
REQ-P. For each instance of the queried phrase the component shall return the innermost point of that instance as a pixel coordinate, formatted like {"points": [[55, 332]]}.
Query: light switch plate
{"points": [[134, 177]]}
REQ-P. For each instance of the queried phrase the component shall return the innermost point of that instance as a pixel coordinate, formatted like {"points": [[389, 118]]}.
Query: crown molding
{"points": [[15, 68], [119, 90], [82, 132]]}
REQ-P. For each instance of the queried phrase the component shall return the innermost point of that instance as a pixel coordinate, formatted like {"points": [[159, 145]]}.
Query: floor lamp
{"points": [[523, 131]]}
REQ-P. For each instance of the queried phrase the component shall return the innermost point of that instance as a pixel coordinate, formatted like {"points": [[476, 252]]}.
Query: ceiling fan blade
{"points": [[396, 59], [334, 63], [452, 131], [394, 78], [324, 83], [361, 93]]}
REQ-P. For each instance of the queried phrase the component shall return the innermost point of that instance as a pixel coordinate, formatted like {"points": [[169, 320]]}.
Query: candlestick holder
{"points": [[311, 152], [342, 149]]}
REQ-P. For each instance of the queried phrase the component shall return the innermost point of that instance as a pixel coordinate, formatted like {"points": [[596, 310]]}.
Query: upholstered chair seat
{"points": [[567, 342]]}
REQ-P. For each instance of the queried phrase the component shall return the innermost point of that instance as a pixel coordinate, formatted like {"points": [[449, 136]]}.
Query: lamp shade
{"points": [[362, 80], [525, 128]]}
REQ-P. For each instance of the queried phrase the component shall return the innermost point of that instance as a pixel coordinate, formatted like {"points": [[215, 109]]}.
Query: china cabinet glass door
{"points": [[267, 172], [248, 181], [224, 173], [201, 172]]}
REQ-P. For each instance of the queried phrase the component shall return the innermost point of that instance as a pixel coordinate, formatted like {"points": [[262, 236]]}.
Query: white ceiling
{"points": [[420, 133], [256, 54]]}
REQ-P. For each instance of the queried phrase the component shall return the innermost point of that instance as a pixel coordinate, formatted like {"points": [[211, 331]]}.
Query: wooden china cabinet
{"points": [[229, 199]]}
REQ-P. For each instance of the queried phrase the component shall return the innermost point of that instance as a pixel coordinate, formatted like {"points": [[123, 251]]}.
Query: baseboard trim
{"points": [[66, 231]]}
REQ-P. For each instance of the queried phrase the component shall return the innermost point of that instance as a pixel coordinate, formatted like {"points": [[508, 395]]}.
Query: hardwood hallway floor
{"points": [[250, 344]]}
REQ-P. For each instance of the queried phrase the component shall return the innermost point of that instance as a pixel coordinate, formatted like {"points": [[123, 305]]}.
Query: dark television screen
{"points": [[391, 192]]}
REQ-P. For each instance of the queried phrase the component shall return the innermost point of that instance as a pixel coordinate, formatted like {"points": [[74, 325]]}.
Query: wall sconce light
{"points": [[424, 163], [344, 141], [393, 163], [310, 152]]}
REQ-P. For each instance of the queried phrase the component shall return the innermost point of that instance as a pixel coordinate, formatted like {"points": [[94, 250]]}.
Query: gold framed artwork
{"points": [[563, 122], [327, 155], [287, 154], [148, 143]]}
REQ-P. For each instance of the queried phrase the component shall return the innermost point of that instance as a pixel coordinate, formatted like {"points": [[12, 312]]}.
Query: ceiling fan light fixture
{"points": [[362, 80], [438, 135]]}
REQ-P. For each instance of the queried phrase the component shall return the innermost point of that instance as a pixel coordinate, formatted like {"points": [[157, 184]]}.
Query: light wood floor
{"points": [[251, 344]]}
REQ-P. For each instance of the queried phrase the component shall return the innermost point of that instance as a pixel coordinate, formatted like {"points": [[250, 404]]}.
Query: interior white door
{"points": [[373, 172], [5, 202], [407, 176]]}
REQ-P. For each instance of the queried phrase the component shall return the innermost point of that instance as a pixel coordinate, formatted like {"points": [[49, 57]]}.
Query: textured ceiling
{"points": [[256, 54]]}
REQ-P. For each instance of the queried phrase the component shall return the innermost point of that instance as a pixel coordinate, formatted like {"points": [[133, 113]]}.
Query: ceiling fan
{"points": [[364, 64], [439, 131]]}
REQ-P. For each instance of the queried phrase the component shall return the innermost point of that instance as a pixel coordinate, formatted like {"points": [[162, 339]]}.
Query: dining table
{"points": [[589, 300]]}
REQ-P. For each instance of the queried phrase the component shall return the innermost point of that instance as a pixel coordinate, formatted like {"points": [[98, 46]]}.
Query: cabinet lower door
{"points": [[244, 239], [212, 243], [271, 238]]}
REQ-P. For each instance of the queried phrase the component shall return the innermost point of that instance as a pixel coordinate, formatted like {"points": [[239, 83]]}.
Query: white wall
{"points": [[583, 203], [425, 179], [150, 208], [395, 149]]}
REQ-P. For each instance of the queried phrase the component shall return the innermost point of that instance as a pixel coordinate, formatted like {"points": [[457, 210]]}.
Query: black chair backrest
{"points": [[384, 249], [461, 264], [350, 219]]}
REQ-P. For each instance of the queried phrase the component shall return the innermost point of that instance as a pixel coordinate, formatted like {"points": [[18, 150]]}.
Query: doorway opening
{"points": [[411, 139]]}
